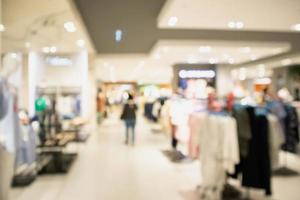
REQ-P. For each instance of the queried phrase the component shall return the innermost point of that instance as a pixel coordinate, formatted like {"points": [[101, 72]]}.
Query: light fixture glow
{"points": [[296, 27], [118, 35], [80, 43], [70, 27], [2, 28], [235, 24], [197, 74], [263, 81], [245, 49], [231, 61], [205, 49], [59, 61], [213, 61], [172, 21]]}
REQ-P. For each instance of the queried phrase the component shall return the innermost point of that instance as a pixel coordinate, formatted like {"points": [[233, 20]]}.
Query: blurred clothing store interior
{"points": [[149, 99]]}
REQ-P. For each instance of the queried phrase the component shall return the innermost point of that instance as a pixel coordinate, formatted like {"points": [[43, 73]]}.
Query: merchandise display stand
{"points": [[54, 155]]}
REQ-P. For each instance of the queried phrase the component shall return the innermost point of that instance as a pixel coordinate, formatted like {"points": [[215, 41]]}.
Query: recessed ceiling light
{"points": [[296, 27], [245, 49], [239, 25], [205, 49], [2, 28], [286, 62], [118, 35], [231, 61], [172, 21], [213, 61], [235, 24], [70, 27], [80, 43]]}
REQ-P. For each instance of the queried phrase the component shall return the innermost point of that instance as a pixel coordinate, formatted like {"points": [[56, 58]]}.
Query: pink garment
{"points": [[195, 123]]}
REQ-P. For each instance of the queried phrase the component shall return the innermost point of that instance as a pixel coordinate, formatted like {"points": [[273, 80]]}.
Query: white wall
{"points": [[224, 81], [35, 74]]}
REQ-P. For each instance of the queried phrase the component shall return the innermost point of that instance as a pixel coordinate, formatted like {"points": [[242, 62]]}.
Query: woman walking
{"points": [[129, 116]]}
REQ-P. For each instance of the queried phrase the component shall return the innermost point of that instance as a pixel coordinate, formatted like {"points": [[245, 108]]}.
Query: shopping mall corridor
{"points": [[108, 169]]}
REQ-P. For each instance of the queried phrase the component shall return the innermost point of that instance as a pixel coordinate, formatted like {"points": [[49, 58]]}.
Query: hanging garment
{"points": [[243, 126], [219, 153], [256, 167], [291, 130], [27, 146], [231, 153], [7, 126], [213, 173], [165, 118], [3, 100], [195, 123], [276, 139]]}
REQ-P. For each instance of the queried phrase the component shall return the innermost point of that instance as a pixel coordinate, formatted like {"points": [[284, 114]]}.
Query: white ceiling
{"points": [[32, 25], [157, 66], [264, 15], [22, 17], [133, 67]]}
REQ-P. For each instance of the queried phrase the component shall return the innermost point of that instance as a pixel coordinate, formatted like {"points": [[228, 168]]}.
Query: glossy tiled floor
{"points": [[106, 169]]}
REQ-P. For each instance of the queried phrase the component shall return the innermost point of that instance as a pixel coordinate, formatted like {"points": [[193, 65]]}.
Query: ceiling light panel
{"points": [[2, 28], [70, 27], [172, 21], [281, 15]]}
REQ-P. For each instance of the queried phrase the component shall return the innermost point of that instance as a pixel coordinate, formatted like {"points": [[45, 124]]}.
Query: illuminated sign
{"points": [[58, 61], [197, 74]]}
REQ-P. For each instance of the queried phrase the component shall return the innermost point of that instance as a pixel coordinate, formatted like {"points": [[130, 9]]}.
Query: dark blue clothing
{"points": [[130, 125]]}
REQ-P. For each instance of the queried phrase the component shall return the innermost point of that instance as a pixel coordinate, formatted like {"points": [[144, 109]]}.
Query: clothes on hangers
{"points": [[291, 129], [243, 127], [3, 99], [256, 166], [219, 153], [8, 125], [276, 139]]}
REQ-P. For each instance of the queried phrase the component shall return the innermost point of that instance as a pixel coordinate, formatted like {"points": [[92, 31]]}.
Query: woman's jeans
{"points": [[130, 125]]}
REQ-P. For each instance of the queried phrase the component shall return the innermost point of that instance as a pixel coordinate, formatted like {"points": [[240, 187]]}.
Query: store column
{"points": [[83, 57]]}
